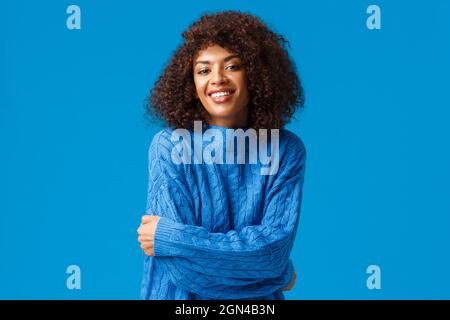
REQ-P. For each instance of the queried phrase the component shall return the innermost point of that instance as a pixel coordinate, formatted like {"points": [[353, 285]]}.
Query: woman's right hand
{"points": [[289, 287]]}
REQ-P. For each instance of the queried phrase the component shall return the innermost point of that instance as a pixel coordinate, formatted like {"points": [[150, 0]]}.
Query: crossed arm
{"points": [[252, 261], [146, 238]]}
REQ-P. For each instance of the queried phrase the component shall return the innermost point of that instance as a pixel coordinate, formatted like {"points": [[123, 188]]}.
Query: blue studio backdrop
{"points": [[74, 142]]}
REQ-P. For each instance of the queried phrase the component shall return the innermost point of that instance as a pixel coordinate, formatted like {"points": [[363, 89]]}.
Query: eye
{"points": [[203, 71], [233, 67]]}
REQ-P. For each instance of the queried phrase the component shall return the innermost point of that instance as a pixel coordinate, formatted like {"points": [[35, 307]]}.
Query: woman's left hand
{"points": [[146, 233]]}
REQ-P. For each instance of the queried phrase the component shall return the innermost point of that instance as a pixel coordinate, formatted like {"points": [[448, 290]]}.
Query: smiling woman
{"points": [[216, 230], [274, 88]]}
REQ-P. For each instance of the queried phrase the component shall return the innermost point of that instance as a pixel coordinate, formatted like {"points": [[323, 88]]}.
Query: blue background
{"points": [[74, 141]]}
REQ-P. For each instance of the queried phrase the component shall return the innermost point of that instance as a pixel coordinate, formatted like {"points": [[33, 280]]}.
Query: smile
{"points": [[221, 96]]}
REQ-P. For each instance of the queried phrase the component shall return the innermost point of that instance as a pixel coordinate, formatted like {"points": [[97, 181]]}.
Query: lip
{"points": [[221, 99]]}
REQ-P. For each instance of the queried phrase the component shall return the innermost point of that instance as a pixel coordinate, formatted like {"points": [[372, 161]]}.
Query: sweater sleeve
{"points": [[251, 262]]}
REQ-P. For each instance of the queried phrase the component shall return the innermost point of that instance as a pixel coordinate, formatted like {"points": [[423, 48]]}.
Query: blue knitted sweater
{"points": [[226, 231]]}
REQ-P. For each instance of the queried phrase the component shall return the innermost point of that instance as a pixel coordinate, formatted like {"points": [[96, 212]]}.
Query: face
{"points": [[221, 85]]}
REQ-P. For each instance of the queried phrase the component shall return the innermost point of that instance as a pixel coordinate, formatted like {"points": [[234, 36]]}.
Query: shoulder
{"points": [[161, 141], [292, 155], [291, 144], [160, 149], [291, 159]]}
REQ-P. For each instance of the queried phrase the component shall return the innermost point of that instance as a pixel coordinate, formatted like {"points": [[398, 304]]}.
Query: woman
{"points": [[223, 229]]}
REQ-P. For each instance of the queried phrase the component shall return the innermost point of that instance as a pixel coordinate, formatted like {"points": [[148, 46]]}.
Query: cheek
{"points": [[241, 81], [244, 88], [199, 87]]}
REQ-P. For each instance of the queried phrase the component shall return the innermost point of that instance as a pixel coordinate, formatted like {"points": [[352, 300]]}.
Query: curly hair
{"points": [[273, 84]]}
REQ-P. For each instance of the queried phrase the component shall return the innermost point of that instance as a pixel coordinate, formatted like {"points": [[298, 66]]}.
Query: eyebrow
{"points": [[224, 60]]}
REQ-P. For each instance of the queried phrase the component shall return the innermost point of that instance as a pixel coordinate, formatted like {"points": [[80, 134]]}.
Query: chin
{"points": [[223, 111], [224, 115]]}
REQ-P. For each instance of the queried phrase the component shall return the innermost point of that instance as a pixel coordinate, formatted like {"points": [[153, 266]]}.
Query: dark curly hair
{"points": [[273, 84]]}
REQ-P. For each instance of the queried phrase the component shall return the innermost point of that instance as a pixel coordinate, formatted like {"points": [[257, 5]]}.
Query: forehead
{"points": [[212, 53]]}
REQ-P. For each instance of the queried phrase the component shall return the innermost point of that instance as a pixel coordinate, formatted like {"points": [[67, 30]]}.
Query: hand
{"points": [[146, 233], [289, 287]]}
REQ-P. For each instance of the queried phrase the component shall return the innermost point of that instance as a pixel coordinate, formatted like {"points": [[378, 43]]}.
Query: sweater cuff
{"points": [[163, 234]]}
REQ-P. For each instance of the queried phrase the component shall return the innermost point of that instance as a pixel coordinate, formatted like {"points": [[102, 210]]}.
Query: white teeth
{"points": [[220, 94]]}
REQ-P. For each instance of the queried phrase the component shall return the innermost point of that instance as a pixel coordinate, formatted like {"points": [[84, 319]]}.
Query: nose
{"points": [[218, 78]]}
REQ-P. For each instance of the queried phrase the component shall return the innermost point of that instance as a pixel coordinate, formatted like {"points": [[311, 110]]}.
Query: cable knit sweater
{"points": [[226, 231]]}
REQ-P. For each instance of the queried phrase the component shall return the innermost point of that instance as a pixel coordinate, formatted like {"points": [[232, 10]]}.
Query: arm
{"points": [[254, 260]]}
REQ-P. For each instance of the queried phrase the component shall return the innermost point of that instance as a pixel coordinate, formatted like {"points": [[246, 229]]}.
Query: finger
{"points": [[142, 230], [149, 252], [146, 219], [145, 237], [146, 243], [146, 246], [289, 287]]}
